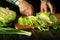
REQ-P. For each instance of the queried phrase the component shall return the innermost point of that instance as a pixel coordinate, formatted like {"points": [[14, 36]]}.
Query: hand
{"points": [[45, 5], [26, 9]]}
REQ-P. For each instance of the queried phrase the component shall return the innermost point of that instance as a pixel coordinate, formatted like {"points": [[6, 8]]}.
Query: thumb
{"points": [[50, 6]]}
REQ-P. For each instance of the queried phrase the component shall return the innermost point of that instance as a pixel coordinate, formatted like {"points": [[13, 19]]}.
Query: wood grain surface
{"points": [[58, 17]]}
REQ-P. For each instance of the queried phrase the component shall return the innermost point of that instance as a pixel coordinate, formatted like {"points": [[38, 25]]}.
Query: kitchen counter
{"points": [[36, 35]]}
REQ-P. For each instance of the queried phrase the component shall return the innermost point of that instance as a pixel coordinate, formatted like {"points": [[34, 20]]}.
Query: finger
{"points": [[51, 8], [29, 12], [41, 8], [45, 9], [23, 12]]}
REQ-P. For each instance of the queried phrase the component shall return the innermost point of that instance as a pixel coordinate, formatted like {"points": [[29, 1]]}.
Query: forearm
{"points": [[15, 2]]}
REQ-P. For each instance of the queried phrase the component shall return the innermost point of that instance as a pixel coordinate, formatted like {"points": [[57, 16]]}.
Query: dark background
{"points": [[36, 34], [35, 3]]}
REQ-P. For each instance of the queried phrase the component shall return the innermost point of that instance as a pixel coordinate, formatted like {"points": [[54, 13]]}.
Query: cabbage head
{"points": [[6, 16]]}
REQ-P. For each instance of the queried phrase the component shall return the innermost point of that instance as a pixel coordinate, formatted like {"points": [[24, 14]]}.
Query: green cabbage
{"points": [[41, 20], [47, 17], [6, 16]]}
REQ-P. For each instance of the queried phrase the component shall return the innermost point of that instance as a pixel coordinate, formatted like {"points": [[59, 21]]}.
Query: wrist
{"points": [[19, 2], [15, 2]]}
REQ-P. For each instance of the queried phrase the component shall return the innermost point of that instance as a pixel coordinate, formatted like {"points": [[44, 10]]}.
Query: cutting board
{"points": [[58, 17]]}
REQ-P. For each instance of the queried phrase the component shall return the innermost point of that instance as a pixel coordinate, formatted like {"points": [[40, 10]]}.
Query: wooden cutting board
{"points": [[58, 17]]}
